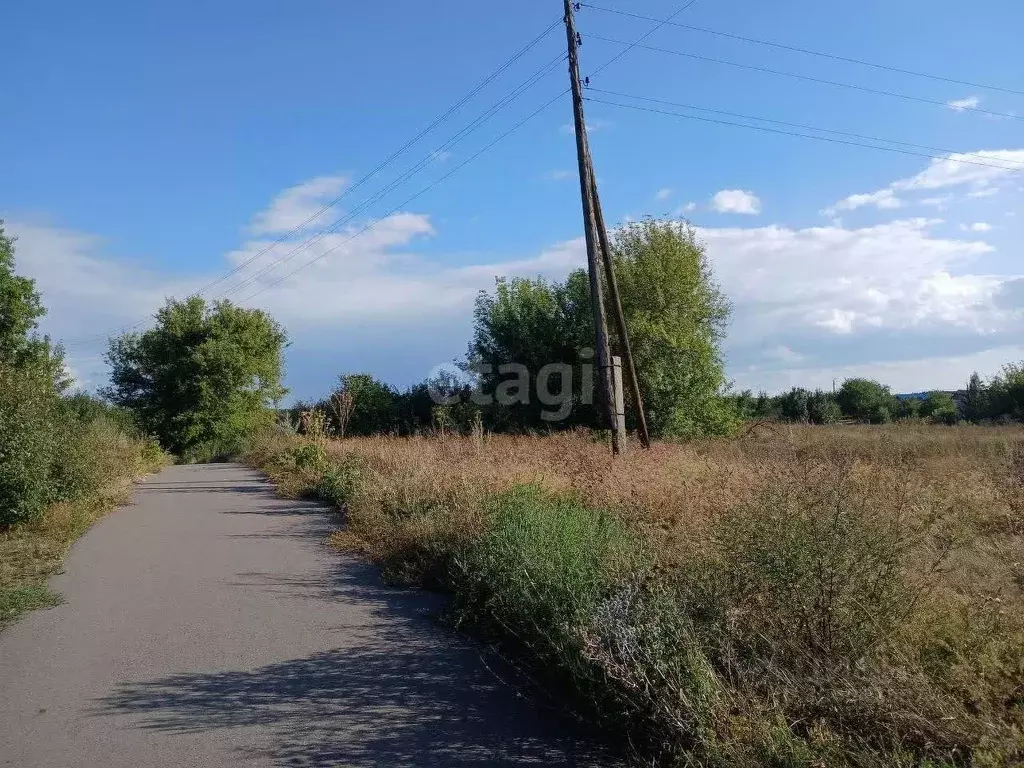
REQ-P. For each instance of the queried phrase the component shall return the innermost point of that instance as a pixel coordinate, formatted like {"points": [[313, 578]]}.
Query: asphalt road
{"points": [[209, 625]]}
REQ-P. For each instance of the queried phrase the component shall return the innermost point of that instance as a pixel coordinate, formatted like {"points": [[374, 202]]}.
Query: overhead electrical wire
{"points": [[779, 131], [530, 81], [651, 31], [408, 174], [808, 78], [329, 205], [805, 126], [406, 202], [396, 154], [808, 51]]}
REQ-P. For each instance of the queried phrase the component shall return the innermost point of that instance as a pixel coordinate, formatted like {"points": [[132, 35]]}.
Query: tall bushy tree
{"points": [[866, 400], [375, 404], [977, 403], [21, 308], [202, 378], [796, 405], [532, 323], [939, 407], [46, 446], [677, 317], [1006, 392]]}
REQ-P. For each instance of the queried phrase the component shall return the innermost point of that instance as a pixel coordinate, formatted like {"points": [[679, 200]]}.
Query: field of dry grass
{"points": [[797, 596]]}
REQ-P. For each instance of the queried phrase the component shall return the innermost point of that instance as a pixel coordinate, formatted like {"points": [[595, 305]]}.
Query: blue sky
{"points": [[149, 148]]}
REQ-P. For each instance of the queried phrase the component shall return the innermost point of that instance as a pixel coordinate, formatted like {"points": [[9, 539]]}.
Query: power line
{"points": [[409, 173], [765, 129], [406, 202], [808, 51], [643, 37], [380, 166], [397, 153], [808, 78], [808, 127]]}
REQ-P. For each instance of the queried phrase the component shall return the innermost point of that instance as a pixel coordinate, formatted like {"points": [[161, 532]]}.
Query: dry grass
{"points": [[853, 593]]}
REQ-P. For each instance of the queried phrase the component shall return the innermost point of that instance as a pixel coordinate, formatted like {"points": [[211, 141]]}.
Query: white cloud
{"points": [[983, 191], [360, 281], [688, 208], [663, 194], [594, 124], [883, 199], [812, 301], [939, 203], [299, 207], [736, 201], [960, 168], [784, 354], [896, 276], [982, 171], [959, 105], [559, 175], [978, 226]]}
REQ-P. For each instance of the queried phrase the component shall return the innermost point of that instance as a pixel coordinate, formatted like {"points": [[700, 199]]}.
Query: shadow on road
{"points": [[399, 691]]}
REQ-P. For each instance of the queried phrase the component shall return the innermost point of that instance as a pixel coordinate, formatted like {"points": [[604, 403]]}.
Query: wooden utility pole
{"points": [[620, 318], [602, 352]]}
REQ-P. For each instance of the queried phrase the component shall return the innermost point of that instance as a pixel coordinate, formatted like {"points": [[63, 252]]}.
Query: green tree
{"points": [[532, 323], [20, 311], [823, 408], [203, 378], [866, 400], [977, 403], [375, 405], [907, 407], [796, 405], [1007, 392], [677, 316], [939, 407]]}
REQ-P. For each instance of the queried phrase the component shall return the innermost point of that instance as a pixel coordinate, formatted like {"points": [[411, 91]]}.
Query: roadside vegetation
{"points": [[797, 596], [802, 580], [807, 579], [65, 459]]}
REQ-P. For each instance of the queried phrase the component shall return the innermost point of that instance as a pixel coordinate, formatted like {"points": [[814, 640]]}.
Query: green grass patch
{"points": [[14, 601]]}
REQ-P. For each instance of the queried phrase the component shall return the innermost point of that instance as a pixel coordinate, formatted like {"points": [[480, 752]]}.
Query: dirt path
{"points": [[208, 625]]}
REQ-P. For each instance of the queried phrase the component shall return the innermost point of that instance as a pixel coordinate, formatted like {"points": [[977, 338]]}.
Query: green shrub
{"points": [[940, 408], [310, 456], [27, 443], [339, 481], [825, 411], [538, 573], [660, 685]]}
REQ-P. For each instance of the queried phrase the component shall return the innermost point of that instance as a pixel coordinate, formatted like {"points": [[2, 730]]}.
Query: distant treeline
{"points": [[1000, 400], [363, 405], [676, 315]]}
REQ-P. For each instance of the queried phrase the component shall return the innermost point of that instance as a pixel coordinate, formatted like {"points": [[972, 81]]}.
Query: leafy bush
{"points": [[27, 443], [825, 411], [1006, 392], [339, 481], [309, 456], [866, 400], [539, 571], [940, 408]]}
